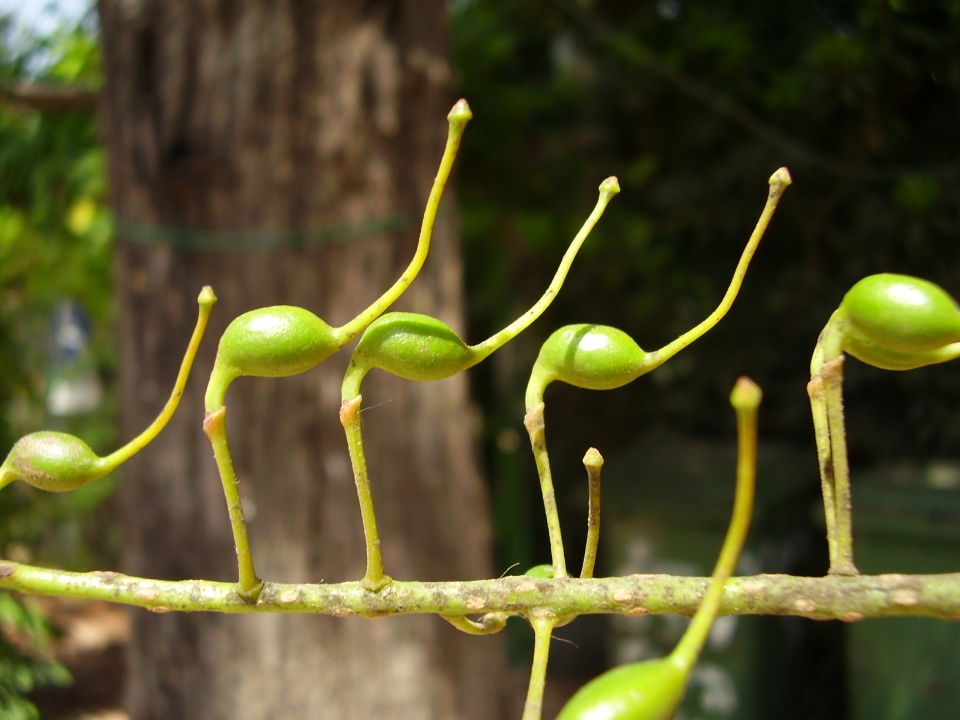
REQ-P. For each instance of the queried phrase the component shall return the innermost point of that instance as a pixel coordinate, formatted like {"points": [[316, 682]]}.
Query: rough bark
{"points": [[244, 116]]}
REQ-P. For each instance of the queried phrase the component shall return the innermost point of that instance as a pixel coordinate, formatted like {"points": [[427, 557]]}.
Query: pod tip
{"points": [[460, 112], [746, 394]]}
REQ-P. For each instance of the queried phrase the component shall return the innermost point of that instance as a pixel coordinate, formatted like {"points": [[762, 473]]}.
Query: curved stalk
{"points": [[841, 560], [215, 426], [535, 427], [821, 428], [374, 579], [489, 624], [608, 188], [779, 181], [543, 630], [118, 457]]}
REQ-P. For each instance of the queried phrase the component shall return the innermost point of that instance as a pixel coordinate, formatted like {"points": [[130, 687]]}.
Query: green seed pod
{"points": [[595, 357], [412, 346], [649, 690], [51, 461], [269, 342], [897, 322]]}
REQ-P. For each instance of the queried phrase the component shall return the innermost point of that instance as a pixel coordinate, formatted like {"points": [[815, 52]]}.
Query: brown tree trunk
{"points": [[240, 116]]}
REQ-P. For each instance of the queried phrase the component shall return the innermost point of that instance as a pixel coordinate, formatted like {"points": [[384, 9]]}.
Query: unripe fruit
{"points": [[595, 357], [52, 461], [269, 342], [412, 346], [649, 690], [895, 322], [276, 342], [902, 313]]}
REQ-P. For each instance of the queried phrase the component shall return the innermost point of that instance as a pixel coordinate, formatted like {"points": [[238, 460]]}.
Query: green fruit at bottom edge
{"points": [[52, 461], [650, 690], [412, 346], [902, 313], [594, 357]]}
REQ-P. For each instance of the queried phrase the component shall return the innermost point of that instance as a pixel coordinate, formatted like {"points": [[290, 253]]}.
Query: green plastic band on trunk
{"points": [[144, 233]]}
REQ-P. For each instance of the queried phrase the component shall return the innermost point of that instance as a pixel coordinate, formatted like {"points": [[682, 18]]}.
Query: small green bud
{"points": [[274, 341], [609, 187], [460, 113], [412, 346], [595, 357], [52, 461], [902, 313], [543, 572], [746, 395], [649, 690], [592, 459], [206, 299]]}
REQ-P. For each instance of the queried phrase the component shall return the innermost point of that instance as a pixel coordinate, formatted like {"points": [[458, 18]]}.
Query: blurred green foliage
{"points": [[693, 104], [55, 245], [26, 661]]}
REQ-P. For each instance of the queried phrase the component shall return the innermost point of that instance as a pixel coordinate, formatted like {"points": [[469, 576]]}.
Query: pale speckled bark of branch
{"points": [[835, 597]]}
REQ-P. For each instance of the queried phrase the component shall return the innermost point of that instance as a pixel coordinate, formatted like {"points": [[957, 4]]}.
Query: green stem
{"points": [[821, 428], [535, 427], [215, 426], [374, 579], [542, 629], [537, 385], [489, 624], [118, 457], [778, 183], [592, 461], [608, 188], [746, 400], [842, 562], [458, 118]]}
